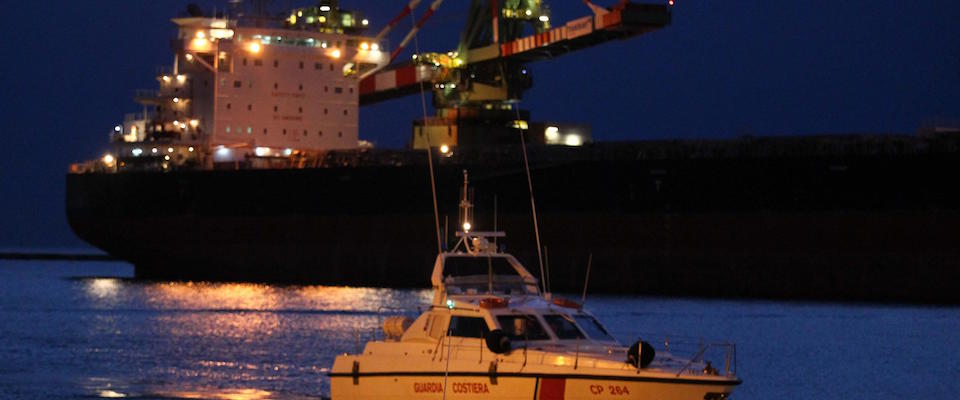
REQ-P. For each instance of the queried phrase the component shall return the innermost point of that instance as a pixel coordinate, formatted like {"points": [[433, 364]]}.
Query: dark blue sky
{"points": [[724, 68]]}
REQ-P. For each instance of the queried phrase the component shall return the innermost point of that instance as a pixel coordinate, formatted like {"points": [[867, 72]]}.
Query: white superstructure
{"points": [[246, 89]]}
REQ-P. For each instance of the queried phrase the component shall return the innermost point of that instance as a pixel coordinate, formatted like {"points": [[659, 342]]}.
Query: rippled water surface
{"points": [[84, 330]]}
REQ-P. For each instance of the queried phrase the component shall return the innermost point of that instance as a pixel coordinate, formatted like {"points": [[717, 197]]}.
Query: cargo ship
{"points": [[247, 165]]}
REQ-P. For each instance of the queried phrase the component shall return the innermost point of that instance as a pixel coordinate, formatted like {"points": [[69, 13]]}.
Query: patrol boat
{"points": [[491, 332]]}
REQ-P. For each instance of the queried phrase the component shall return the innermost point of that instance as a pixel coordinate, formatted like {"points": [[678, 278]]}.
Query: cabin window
{"points": [[338, 90], [237, 84], [284, 131], [522, 327], [276, 85], [301, 86], [320, 133], [276, 63], [317, 66], [264, 131], [300, 110], [228, 106], [249, 107], [470, 327], [593, 328], [562, 327], [301, 64], [258, 62]]}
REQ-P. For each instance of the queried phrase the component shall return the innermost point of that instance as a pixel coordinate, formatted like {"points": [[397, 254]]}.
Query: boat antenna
{"points": [[466, 207], [546, 265], [533, 203], [583, 299], [433, 182]]}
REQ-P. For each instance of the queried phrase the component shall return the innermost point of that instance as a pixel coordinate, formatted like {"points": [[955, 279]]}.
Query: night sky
{"points": [[723, 69]]}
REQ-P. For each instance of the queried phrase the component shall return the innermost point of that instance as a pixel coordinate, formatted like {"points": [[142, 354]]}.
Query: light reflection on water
{"points": [[114, 338]]}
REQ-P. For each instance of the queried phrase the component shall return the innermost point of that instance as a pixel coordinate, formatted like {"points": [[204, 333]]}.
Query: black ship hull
{"points": [[874, 227]]}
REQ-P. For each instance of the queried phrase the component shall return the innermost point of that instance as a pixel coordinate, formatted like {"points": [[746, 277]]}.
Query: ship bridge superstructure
{"points": [[250, 87]]}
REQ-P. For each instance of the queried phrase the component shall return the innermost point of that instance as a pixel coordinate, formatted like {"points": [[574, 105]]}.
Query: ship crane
{"points": [[476, 86]]}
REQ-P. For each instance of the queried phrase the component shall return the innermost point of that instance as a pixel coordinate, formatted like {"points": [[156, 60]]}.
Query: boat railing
{"points": [[696, 355]]}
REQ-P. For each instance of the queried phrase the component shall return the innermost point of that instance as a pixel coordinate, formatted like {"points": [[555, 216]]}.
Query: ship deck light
{"points": [[324, 8]]}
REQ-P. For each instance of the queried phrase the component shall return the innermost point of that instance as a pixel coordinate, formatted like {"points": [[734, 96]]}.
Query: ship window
{"points": [[249, 130], [237, 84], [522, 327], [344, 112], [301, 64], [264, 131], [276, 63], [301, 86], [284, 131], [562, 327], [339, 134], [470, 327], [304, 133], [258, 62], [331, 67], [228, 129], [300, 110], [317, 66], [593, 328], [276, 85], [351, 90], [244, 62], [249, 107], [228, 106], [320, 133], [338, 90], [325, 111], [326, 89], [275, 108]]}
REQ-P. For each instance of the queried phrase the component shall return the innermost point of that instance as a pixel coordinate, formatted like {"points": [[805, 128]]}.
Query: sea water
{"points": [[86, 330]]}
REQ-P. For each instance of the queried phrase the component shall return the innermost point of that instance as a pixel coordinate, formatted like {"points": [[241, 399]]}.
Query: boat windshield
{"points": [[481, 275], [522, 327], [563, 327], [592, 328]]}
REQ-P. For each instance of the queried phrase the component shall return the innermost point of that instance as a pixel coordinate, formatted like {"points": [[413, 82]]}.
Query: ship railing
{"points": [[146, 93], [690, 355]]}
